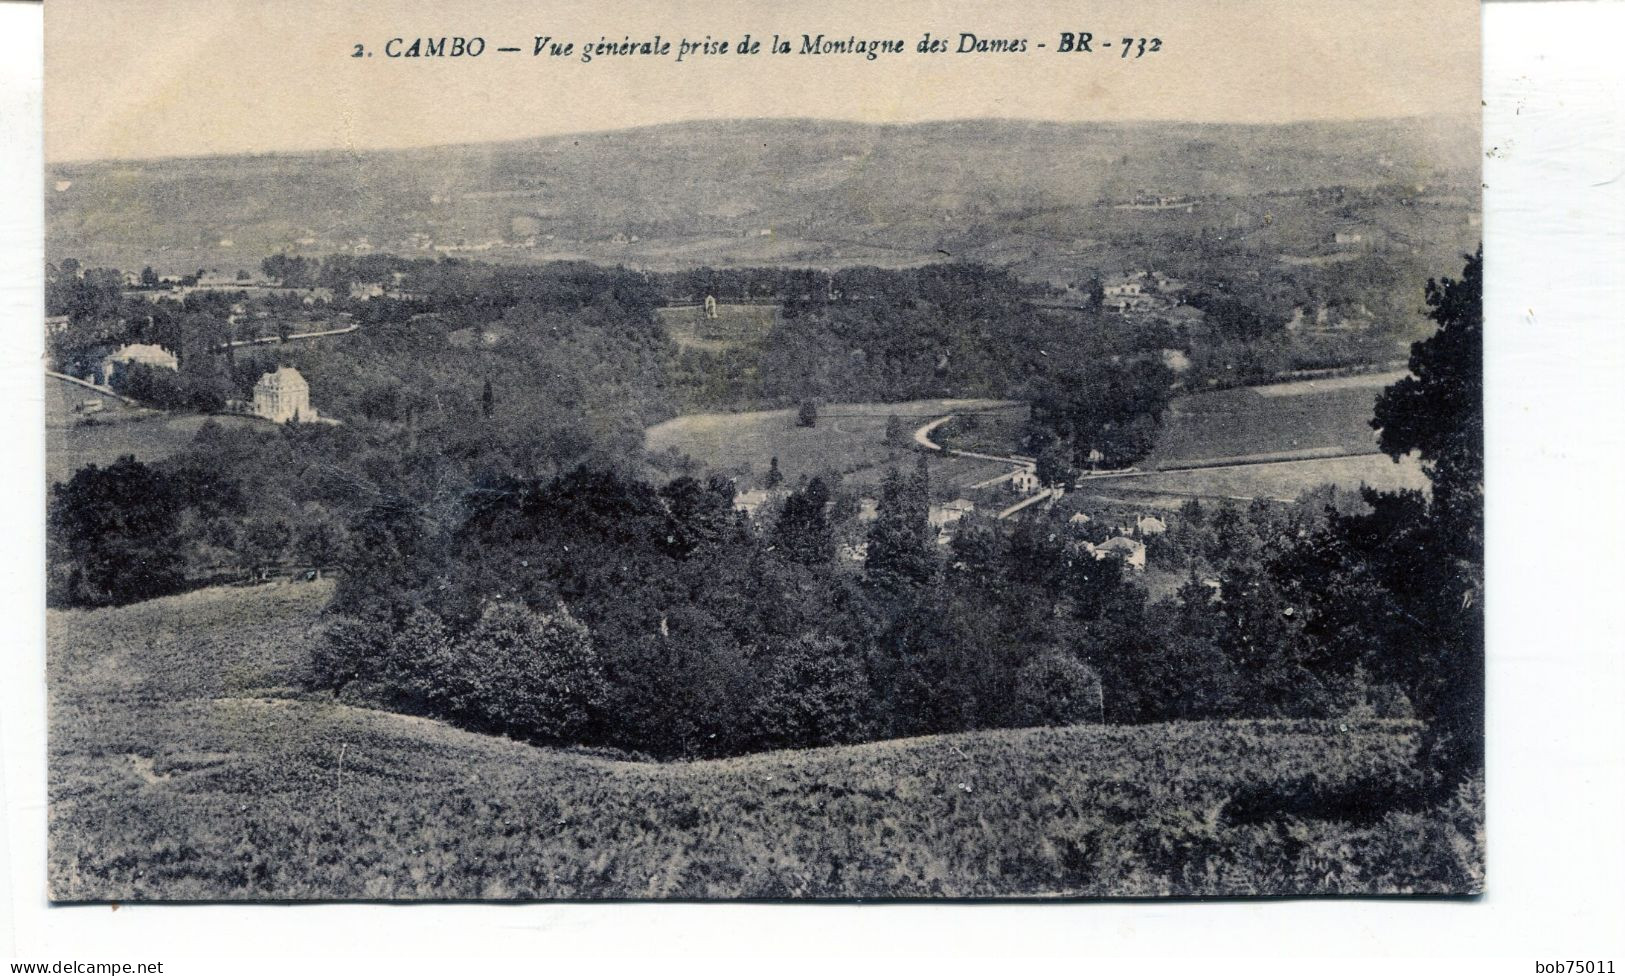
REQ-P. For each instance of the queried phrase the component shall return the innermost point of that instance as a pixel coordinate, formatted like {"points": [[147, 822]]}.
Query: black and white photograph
{"points": [[720, 452]]}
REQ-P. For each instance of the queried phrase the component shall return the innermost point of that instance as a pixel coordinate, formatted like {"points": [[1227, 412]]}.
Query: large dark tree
{"points": [[1438, 411], [113, 535], [802, 532], [899, 538], [1400, 590], [1106, 407]]}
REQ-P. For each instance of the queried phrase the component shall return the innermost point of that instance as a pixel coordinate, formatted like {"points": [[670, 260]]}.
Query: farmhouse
{"points": [[947, 513], [1128, 286], [282, 396], [143, 353], [224, 279], [1129, 294], [1132, 553], [1025, 481], [1150, 525], [942, 517], [750, 501]]}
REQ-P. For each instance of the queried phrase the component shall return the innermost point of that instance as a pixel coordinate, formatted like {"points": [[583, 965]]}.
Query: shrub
{"points": [[349, 650], [1055, 688], [528, 674], [897, 435], [421, 671], [814, 694], [531, 674]]}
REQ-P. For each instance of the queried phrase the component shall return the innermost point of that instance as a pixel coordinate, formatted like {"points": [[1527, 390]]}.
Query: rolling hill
{"points": [[808, 192], [187, 764]]}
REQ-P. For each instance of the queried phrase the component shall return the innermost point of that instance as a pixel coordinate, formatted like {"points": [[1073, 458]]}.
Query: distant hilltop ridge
{"points": [[1446, 129], [805, 191]]}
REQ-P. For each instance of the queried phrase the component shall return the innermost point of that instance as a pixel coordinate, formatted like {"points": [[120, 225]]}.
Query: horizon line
{"points": [[786, 119]]}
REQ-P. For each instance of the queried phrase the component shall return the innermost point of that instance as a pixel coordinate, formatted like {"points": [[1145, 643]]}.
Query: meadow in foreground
{"points": [[187, 764]]}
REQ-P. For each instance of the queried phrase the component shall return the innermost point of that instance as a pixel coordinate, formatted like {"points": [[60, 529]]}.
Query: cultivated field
{"points": [[1309, 416], [185, 764], [150, 435], [849, 439], [1293, 437], [1281, 480]]}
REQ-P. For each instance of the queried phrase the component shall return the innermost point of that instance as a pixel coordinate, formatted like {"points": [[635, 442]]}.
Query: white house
{"points": [[1130, 551], [282, 396], [942, 517], [947, 513], [1151, 525], [1025, 481], [143, 353], [751, 501]]}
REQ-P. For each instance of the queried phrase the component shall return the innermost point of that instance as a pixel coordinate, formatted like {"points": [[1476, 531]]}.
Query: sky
{"points": [[155, 78]]}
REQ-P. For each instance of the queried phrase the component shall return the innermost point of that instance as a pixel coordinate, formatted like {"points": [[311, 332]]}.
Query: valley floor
{"points": [[186, 764]]}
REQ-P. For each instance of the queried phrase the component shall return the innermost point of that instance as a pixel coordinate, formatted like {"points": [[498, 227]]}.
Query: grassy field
{"points": [[735, 325], [1299, 436], [987, 432], [1320, 415], [1282, 480], [120, 429], [184, 764], [849, 439]]}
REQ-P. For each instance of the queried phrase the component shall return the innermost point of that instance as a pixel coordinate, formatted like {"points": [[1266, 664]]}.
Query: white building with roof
{"points": [[1024, 480], [947, 513], [282, 396], [142, 353], [752, 501], [1130, 551]]}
